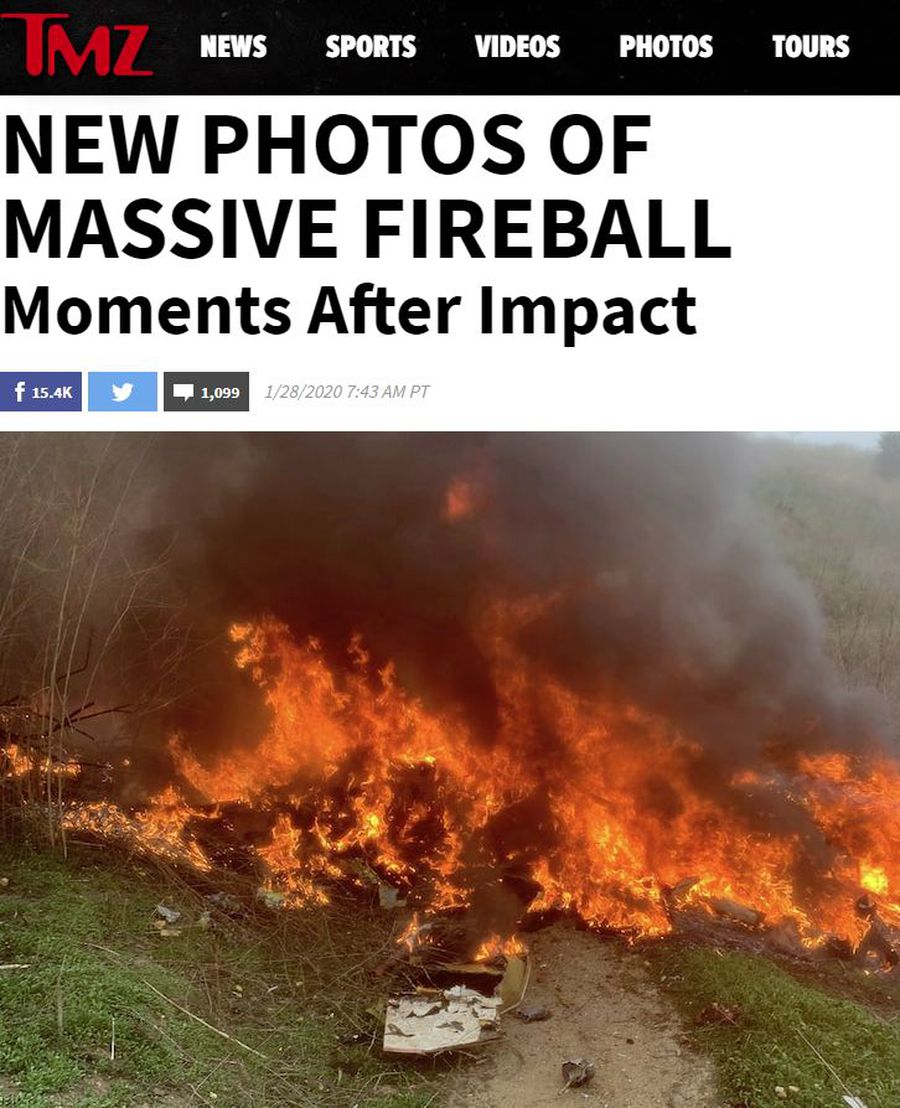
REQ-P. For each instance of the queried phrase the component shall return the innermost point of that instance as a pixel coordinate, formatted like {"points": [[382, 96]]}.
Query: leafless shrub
{"points": [[74, 589]]}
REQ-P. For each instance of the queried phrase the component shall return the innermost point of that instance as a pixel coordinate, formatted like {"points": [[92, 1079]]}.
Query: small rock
{"points": [[577, 1072]]}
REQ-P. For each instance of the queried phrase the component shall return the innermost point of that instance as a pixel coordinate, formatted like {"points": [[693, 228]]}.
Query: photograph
{"points": [[467, 729]]}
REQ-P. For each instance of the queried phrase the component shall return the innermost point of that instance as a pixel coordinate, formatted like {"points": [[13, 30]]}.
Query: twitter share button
{"points": [[122, 392]]}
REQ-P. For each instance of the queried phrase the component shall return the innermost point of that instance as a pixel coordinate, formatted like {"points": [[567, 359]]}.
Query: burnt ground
{"points": [[606, 1008]]}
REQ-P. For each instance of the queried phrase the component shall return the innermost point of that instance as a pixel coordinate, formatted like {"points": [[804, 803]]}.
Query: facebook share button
{"points": [[122, 392], [39, 391]]}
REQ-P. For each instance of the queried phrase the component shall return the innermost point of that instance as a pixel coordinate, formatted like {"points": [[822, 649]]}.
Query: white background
{"points": [[797, 331]]}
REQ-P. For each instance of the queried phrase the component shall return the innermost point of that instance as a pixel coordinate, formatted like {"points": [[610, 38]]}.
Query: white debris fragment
{"points": [[429, 1023], [853, 1102]]}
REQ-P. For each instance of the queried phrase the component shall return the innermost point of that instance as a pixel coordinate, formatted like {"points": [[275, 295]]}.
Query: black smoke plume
{"points": [[671, 592]]}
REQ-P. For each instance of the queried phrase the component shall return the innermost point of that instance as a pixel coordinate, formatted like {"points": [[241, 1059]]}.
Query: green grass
{"points": [[293, 986], [790, 1032]]}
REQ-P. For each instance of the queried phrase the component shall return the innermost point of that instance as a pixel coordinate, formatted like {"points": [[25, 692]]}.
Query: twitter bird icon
{"points": [[122, 392]]}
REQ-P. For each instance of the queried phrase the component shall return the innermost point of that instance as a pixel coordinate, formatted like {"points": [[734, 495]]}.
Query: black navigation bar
{"points": [[317, 46]]}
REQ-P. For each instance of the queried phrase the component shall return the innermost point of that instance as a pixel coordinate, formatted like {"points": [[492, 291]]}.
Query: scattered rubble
{"points": [[534, 1013]]}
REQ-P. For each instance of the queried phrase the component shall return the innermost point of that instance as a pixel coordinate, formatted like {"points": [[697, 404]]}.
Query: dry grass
{"points": [[839, 523], [266, 1008]]}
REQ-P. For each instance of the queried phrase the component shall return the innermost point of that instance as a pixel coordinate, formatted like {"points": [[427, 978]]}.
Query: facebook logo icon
{"points": [[26, 391], [122, 392]]}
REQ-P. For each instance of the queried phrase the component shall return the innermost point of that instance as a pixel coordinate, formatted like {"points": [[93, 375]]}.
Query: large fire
{"points": [[590, 806]]}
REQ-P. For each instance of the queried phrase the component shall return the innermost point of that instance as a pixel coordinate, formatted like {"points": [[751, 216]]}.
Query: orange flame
{"points": [[459, 500], [604, 821]]}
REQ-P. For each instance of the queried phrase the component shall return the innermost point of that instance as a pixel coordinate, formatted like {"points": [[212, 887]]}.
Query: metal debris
{"points": [[577, 1072], [467, 969], [433, 1021], [514, 982], [534, 1013], [168, 915]]}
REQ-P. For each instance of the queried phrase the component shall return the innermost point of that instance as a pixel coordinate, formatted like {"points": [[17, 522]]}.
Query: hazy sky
{"points": [[861, 440]]}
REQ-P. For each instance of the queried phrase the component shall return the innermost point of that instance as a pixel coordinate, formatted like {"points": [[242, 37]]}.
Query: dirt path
{"points": [[605, 1009]]}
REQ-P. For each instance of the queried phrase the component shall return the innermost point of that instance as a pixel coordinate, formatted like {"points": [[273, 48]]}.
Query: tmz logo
{"points": [[109, 49]]}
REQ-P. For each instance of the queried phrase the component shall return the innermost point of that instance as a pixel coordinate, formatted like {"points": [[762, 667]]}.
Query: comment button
{"points": [[206, 392]]}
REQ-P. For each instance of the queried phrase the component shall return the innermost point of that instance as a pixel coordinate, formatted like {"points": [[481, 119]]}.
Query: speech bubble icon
{"points": [[183, 390]]}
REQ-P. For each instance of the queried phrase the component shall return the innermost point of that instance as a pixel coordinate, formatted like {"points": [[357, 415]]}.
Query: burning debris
{"points": [[440, 821], [879, 939], [505, 677], [393, 796], [358, 777]]}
